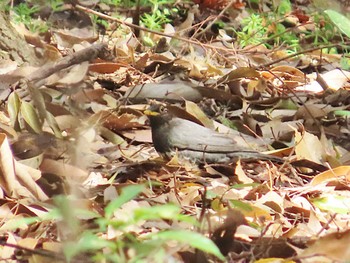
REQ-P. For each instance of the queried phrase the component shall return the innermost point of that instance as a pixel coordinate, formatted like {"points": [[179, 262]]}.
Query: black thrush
{"points": [[172, 135]]}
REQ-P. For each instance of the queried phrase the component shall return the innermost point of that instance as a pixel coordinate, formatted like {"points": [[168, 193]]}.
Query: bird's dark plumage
{"points": [[192, 141]]}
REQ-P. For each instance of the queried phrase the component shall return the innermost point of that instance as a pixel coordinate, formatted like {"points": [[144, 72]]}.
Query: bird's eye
{"points": [[163, 109]]}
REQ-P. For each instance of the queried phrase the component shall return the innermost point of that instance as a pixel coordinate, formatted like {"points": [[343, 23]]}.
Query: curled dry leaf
{"points": [[242, 177], [15, 178], [330, 248], [86, 96], [242, 72], [31, 116], [139, 135], [73, 75], [68, 38], [334, 79], [7, 251], [25, 175], [332, 174], [272, 200], [64, 170], [8, 177], [308, 146], [114, 122], [106, 67], [253, 211], [194, 110], [291, 76]]}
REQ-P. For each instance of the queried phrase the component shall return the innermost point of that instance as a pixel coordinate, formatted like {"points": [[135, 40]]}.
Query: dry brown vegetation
{"points": [[81, 181]]}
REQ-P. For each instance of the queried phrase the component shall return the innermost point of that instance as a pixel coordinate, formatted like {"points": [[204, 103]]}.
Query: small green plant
{"points": [[128, 245], [267, 29], [324, 30], [155, 20], [96, 20], [345, 62], [284, 37], [253, 31], [158, 16], [24, 13], [56, 5], [124, 3], [284, 7], [160, 12]]}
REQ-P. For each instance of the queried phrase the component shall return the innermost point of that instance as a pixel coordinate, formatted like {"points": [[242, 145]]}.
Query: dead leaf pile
{"points": [[75, 126]]}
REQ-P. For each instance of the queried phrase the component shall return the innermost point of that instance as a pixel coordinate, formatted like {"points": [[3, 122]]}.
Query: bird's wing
{"points": [[191, 136]]}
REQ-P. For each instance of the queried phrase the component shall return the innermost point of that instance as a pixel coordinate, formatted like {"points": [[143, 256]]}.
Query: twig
{"points": [[86, 54], [198, 43], [41, 252], [217, 17], [234, 51], [44, 253], [300, 53]]}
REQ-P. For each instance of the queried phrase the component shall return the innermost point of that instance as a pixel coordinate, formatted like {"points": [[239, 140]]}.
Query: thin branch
{"points": [[86, 54], [194, 42], [300, 53]]}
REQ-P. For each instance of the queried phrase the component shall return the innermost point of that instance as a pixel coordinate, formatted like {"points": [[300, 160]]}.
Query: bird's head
{"points": [[158, 114], [161, 113]]}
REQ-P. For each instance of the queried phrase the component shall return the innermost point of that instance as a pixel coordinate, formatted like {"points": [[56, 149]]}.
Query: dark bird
{"points": [[173, 135]]}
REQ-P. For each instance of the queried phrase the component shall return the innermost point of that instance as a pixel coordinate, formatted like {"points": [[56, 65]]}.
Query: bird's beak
{"points": [[151, 113]]}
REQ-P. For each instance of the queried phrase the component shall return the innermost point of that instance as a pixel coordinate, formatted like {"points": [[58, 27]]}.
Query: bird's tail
{"points": [[252, 155]]}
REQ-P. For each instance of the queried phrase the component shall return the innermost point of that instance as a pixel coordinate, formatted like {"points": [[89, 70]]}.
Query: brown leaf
{"points": [[332, 174], [308, 146], [114, 122], [242, 72], [194, 110], [105, 67], [334, 247]]}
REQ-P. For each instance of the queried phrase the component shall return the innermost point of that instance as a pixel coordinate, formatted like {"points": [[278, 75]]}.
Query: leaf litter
{"points": [[80, 123]]}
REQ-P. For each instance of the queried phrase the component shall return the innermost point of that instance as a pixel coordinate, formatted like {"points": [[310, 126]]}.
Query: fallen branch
{"points": [[87, 54]]}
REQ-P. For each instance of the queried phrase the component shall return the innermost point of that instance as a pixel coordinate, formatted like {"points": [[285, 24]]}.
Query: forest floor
{"points": [[80, 180]]}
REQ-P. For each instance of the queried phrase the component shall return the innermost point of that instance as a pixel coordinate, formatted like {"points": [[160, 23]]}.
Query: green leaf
{"points": [[88, 242], [333, 203], [53, 125], [18, 223], [153, 250], [241, 205], [38, 102], [30, 116], [345, 63], [13, 108], [241, 186], [34, 161], [227, 122], [340, 21], [342, 113], [166, 211], [111, 136], [287, 104], [284, 7], [193, 239], [127, 194]]}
